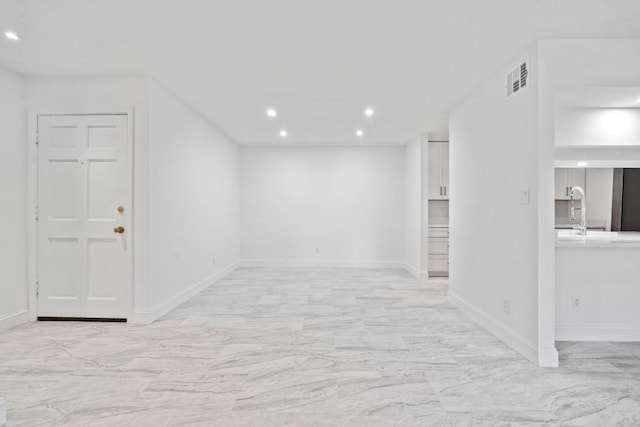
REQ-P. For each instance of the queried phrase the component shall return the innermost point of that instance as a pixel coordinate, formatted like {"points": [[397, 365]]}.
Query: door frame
{"points": [[32, 191]]}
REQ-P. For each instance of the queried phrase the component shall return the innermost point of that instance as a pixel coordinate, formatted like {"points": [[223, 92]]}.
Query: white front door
{"points": [[84, 216]]}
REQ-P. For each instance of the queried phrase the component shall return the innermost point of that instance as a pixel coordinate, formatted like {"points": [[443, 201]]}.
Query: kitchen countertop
{"points": [[591, 225], [572, 226], [597, 239]]}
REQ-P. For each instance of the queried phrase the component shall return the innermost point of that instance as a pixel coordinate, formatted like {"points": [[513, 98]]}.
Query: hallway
{"points": [[308, 346]]}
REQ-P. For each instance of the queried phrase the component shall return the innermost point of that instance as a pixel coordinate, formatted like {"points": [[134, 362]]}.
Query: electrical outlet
{"points": [[576, 302], [213, 261], [506, 305], [525, 196], [317, 251]]}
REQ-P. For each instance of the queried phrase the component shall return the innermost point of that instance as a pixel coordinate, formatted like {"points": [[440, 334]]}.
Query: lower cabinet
{"points": [[439, 251]]}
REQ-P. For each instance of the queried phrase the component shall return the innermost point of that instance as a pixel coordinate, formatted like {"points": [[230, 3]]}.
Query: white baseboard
{"points": [[154, 313], [14, 319], [415, 272], [512, 338], [312, 263], [597, 332]]}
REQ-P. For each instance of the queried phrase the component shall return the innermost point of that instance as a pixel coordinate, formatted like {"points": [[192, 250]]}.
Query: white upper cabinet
{"points": [[439, 171], [567, 178]]}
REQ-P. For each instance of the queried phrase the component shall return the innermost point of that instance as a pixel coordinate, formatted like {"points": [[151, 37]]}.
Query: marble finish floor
{"points": [[308, 347]]}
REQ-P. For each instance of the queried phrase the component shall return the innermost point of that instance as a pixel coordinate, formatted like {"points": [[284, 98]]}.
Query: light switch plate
{"points": [[524, 196]]}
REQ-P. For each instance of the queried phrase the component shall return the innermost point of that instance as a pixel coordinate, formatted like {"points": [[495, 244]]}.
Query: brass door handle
{"points": [[119, 230]]}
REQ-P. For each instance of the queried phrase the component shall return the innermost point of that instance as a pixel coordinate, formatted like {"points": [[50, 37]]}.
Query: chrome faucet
{"points": [[583, 210]]}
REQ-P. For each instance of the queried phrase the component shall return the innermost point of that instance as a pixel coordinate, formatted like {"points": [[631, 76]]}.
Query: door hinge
{"points": [[37, 288], [37, 138], [37, 215]]}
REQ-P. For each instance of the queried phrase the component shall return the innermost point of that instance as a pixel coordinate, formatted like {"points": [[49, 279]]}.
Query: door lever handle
{"points": [[119, 230]]}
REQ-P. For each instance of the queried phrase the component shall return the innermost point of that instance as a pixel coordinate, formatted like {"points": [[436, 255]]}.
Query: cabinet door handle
{"points": [[441, 191], [445, 191]]}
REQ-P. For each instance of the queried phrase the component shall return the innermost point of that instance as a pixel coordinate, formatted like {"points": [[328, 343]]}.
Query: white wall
{"points": [[345, 201], [193, 200], [493, 237], [14, 301], [597, 126], [104, 94], [569, 64], [413, 206], [606, 281]]}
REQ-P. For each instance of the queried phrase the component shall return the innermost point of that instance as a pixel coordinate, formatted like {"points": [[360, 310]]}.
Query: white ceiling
{"points": [[318, 62]]}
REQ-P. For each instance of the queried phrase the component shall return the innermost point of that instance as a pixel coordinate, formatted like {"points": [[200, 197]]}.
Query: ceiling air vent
{"points": [[517, 79]]}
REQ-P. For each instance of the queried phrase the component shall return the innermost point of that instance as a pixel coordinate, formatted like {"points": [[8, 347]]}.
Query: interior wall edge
{"points": [[146, 316], [14, 319], [195, 111], [510, 337], [294, 263], [413, 271]]}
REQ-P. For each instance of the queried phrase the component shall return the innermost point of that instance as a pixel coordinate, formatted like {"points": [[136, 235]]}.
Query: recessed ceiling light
{"points": [[283, 133], [11, 35], [582, 164], [359, 132], [638, 100], [272, 113], [369, 112]]}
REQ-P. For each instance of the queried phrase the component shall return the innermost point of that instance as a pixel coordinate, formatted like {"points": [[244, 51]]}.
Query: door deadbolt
{"points": [[119, 230]]}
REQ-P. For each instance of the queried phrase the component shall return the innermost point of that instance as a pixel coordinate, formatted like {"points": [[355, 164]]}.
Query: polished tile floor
{"points": [[307, 347]]}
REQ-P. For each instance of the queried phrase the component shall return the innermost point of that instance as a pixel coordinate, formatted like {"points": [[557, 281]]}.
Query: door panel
{"points": [[62, 136], [102, 254], [444, 159], [436, 190], [103, 136], [84, 175], [62, 174], [63, 282], [102, 189], [438, 170]]}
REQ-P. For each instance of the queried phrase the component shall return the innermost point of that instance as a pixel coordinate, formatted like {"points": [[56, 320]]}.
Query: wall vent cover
{"points": [[517, 79]]}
